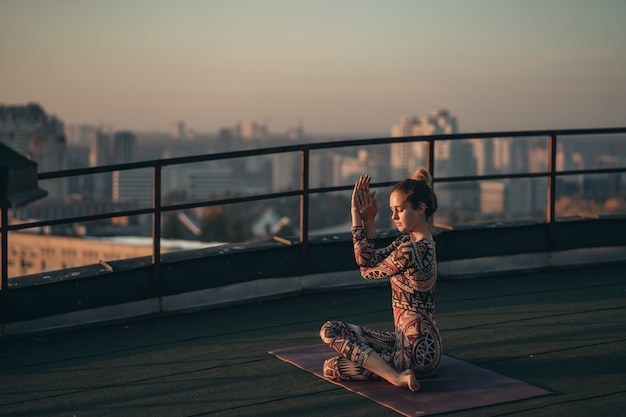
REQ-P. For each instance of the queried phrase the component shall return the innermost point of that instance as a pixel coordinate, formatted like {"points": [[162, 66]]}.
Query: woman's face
{"points": [[405, 217]]}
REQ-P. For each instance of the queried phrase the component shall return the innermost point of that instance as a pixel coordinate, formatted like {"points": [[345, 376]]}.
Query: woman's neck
{"points": [[420, 233]]}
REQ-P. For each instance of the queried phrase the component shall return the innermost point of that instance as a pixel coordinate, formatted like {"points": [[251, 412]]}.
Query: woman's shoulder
{"points": [[405, 240], [402, 240], [427, 242], [423, 248]]}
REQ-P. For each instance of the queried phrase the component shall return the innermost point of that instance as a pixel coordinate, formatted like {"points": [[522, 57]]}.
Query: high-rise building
{"points": [[406, 157], [511, 155], [296, 133], [132, 185], [108, 149], [453, 158], [178, 130], [249, 129], [99, 149], [211, 180], [482, 149], [80, 134], [50, 152], [285, 171], [18, 124], [351, 168], [502, 153], [33, 133], [124, 147], [99, 185], [492, 197], [321, 169]]}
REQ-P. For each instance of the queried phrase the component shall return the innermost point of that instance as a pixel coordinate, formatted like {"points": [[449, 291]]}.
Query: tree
{"points": [[239, 230], [172, 226], [175, 196], [214, 227]]}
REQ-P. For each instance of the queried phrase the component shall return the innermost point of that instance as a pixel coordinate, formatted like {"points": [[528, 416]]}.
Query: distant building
{"points": [[99, 186], [350, 169], [492, 197], [406, 157], [80, 134], [225, 141], [39, 136], [178, 130], [99, 149], [19, 123], [511, 155], [109, 149], [55, 209], [321, 169], [296, 133], [133, 185], [33, 253], [285, 171], [453, 158], [482, 150], [512, 198], [249, 129], [211, 180], [50, 152], [124, 147], [525, 197]]}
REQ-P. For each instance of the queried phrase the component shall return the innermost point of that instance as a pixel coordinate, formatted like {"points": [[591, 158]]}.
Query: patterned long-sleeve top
{"points": [[412, 270]]}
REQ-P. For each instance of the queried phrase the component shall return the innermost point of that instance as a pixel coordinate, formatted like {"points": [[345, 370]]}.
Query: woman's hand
{"points": [[364, 204]]}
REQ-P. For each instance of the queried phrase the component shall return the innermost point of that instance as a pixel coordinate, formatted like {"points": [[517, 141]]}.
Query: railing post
{"points": [[304, 203], [156, 228], [430, 157], [5, 248], [4, 291], [550, 212]]}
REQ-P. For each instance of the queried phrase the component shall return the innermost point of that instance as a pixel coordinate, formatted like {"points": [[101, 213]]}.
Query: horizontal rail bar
{"points": [[88, 218], [530, 175], [243, 199]]}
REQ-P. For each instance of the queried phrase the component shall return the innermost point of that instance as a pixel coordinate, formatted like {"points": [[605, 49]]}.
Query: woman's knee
{"points": [[329, 331]]}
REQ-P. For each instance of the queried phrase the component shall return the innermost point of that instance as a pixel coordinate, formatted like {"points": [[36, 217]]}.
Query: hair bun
{"points": [[422, 174]]}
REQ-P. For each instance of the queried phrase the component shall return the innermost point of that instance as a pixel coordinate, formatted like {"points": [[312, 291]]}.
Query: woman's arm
{"points": [[382, 262], [417, 258], [384, 265]]}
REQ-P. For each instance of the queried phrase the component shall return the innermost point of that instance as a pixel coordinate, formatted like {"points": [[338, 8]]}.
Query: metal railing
{"points": [[305, 191]]}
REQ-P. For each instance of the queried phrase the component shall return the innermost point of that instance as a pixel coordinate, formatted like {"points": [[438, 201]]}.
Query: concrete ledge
{"points": [[261, 289], [468, 268], [83, 318], [208, 298], [264, 289]]}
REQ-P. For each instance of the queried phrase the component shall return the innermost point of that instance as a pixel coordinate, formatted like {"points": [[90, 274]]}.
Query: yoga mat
{"points": [[457, 385]]}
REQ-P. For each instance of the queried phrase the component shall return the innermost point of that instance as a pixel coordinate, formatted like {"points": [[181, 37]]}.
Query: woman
{"points": [[414, 348]]}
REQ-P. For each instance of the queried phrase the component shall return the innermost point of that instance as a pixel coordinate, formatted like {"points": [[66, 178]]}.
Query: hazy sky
{"points": [[339, 66]]}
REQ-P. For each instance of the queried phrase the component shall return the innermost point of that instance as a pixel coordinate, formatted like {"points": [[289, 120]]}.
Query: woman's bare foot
{"points": [[377, 365], [407, 379]]}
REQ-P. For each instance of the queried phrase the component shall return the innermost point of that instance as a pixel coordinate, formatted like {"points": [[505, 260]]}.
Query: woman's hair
{"points": [[418, 189]]}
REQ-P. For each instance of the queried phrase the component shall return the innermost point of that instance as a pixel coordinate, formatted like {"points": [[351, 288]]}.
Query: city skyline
{"points": [[349, 67]]}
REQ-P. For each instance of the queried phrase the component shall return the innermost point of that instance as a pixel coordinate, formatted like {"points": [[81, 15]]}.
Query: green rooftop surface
{"points": [[563, 330]]}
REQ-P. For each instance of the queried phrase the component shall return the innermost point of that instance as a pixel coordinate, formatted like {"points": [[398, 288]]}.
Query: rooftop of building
{"points": [[188, 333], [562, 329]]}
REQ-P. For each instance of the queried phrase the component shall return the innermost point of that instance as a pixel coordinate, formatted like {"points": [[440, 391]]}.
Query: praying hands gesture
{"points": [[364, 206]]}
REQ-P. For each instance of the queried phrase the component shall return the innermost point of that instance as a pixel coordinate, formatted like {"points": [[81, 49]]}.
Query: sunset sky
{"points": [[339, 66]]}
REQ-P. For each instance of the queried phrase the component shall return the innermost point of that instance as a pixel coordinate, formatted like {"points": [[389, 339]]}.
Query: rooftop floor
{"points": [[564, 331]]}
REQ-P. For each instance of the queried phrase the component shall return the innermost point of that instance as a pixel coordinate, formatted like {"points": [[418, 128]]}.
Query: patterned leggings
{"points": [[354, 344]]}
